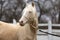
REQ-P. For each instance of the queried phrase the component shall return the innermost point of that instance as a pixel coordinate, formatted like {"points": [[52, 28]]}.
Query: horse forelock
{"points": [[29, 8]]}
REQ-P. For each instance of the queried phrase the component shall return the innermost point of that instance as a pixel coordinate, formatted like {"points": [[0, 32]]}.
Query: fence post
{"points": [[14, 21], [50, 30]]}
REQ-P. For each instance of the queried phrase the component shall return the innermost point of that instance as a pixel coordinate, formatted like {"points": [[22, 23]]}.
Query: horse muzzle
{"points": [[21, 23]]}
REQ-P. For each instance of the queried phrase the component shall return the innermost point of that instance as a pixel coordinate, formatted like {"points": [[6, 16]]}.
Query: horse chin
{"points": [[21, 24]]}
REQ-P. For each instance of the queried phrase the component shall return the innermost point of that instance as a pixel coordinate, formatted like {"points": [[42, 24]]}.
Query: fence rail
{"points": [[46, 24], [49, 24]]}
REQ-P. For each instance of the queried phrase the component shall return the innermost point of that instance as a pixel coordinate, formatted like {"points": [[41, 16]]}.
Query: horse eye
{"points": [[30, 11]]}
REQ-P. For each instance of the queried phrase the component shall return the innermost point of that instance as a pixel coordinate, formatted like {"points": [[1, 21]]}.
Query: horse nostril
{"points": [[21, 23]]}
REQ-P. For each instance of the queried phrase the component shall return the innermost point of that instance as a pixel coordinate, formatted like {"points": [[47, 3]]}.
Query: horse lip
{"points": [[21, 23]]}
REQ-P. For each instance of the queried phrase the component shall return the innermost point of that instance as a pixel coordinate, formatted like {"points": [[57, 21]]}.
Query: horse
{"points": [[29, 20], [25, 29]]}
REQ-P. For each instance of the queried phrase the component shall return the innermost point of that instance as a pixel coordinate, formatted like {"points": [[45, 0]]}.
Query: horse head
{"points": [[29, 15]]}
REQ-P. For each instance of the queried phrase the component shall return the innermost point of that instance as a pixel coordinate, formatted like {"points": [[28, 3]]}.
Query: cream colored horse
{"points": [[30, 22], [25, 30]]}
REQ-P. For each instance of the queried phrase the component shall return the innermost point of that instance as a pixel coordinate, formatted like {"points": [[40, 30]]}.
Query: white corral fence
{"points": [[14, 21], [49, 24]]}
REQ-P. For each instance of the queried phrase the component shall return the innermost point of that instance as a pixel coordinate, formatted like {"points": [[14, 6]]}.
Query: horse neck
{"points": [[30, 29], [29, 32]]}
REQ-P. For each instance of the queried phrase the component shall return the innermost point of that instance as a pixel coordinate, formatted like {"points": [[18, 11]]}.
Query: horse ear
{"points": [[32, 4]]}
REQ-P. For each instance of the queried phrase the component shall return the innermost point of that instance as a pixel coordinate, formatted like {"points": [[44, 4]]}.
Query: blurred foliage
{"points": [[46, 9]]}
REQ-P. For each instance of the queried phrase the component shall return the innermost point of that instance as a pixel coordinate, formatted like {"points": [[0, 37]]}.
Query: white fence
{"points": [[49, 24]]}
